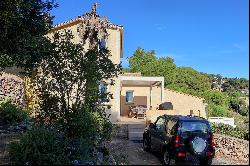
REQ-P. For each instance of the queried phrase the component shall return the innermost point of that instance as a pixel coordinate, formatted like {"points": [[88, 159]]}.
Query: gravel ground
{"points": [[136, 156]]}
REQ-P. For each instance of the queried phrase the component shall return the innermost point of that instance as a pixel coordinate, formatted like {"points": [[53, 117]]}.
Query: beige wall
{"points": [[152, 115], [184, 103]]}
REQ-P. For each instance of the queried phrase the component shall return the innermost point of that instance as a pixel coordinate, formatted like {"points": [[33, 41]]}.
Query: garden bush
{"points": [[216, 110], [237, 132], [11, 113], [39, 146], [44, 146]]}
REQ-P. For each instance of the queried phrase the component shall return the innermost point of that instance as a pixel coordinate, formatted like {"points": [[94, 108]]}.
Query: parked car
{"points": [[181, 138]]}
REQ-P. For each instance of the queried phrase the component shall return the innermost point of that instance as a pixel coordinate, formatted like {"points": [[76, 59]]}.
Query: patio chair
{"points": [[132, 111], [141, 113], [143, 106]]}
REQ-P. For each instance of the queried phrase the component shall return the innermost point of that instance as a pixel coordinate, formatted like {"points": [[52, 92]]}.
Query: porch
{"points": [[139, 91]]}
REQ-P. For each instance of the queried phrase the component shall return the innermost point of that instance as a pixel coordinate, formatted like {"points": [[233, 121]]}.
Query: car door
{"points": [[158, 134]]}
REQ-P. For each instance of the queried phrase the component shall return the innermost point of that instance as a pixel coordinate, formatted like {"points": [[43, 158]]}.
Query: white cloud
{"points": [[160, 27], [241, 47]]}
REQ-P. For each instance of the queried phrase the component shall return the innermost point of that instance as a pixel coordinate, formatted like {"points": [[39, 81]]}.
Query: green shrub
{"points": [[216, 110], [39, 146], [237, 132], [43, 146], [244, 111], [10, 113], [88, 125]]}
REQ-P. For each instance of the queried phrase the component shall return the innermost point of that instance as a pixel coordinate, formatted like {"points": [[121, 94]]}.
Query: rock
{"points": [[111, 160], [76, 162], [17, 128], [99, 158]]}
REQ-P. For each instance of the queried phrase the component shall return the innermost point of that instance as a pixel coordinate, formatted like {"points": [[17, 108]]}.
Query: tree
{"points": [[235, 101], [68, 83], [141, 59], [182, 79], [214, 110], [216, 97], [23, 26], [190, 81]]}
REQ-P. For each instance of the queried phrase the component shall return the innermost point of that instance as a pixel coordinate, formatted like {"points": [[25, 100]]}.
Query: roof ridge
{"points": [[81, 18]]}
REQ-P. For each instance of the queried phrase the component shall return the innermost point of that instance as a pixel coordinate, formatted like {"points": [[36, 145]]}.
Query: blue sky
{"points": [[211, 36]]}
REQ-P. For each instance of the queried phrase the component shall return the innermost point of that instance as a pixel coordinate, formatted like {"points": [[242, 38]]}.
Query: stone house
{"points": [[133, 89]]}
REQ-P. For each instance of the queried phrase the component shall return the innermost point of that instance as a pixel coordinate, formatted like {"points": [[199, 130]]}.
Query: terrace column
{"points": [[162, 91], [150, 101]]}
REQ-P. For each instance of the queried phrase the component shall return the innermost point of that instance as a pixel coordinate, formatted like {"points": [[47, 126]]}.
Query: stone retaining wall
{"points": [[232, 148], [12, 86]]}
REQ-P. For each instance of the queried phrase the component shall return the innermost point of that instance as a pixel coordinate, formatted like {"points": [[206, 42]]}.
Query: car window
{"points": [[194, 126], [171, 126], [160, 124]]}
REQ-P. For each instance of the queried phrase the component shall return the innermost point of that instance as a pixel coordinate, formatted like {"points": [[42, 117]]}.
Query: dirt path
{"points": [[136, 155]]}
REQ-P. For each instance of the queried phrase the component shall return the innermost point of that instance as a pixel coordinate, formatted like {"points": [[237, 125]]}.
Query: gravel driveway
{"points": [[136, 156]]}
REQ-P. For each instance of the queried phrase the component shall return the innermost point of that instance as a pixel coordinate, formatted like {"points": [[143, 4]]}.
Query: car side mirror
{"points": [[151, 125]]}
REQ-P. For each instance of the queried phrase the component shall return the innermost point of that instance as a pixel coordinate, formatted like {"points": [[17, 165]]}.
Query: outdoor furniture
{"points": [[132, 111], [137, 111], [144, 106], [141, 113], [166, 106]]}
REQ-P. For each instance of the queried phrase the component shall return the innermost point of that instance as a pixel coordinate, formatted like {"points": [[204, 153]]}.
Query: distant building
{"points": [[245, 92]]}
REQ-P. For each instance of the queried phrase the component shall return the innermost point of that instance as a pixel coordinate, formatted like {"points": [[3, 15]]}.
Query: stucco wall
{"points": [[184, 103], [151, 115]]}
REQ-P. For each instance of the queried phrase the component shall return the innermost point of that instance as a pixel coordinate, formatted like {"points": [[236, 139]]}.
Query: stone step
{"points": [[135, 135], [136, 130], [136, 126]]}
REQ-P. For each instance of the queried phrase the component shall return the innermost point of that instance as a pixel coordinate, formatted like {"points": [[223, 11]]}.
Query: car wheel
{"points": [[206, 162], [146, 144], [166, 158]]}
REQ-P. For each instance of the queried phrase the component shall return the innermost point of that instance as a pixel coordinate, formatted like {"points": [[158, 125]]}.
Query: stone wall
{"points": [[12, 86], [232, 148]]}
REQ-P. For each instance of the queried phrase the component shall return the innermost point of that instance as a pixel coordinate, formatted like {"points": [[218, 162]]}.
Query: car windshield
{"points": [[194, 127]]}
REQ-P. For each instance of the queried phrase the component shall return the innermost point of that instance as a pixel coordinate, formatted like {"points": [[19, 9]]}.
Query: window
{"points": [[129, 96], [103, 43], [194, 127], [160, 124], [103, 88]]}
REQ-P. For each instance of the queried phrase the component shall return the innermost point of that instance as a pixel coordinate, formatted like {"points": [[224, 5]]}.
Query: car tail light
{"points": [[181, 154], [209, 154], [177, 141], [212, 141]]}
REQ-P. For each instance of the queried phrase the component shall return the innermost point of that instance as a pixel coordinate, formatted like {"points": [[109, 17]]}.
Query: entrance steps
{"points": [[130, 131], [135, 131]]}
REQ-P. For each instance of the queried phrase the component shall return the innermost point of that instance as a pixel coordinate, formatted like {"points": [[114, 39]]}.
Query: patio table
{"points": [[140, 112]]}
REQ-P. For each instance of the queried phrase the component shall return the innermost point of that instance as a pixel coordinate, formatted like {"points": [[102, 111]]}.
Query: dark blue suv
{"points": [[181, 138]]}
